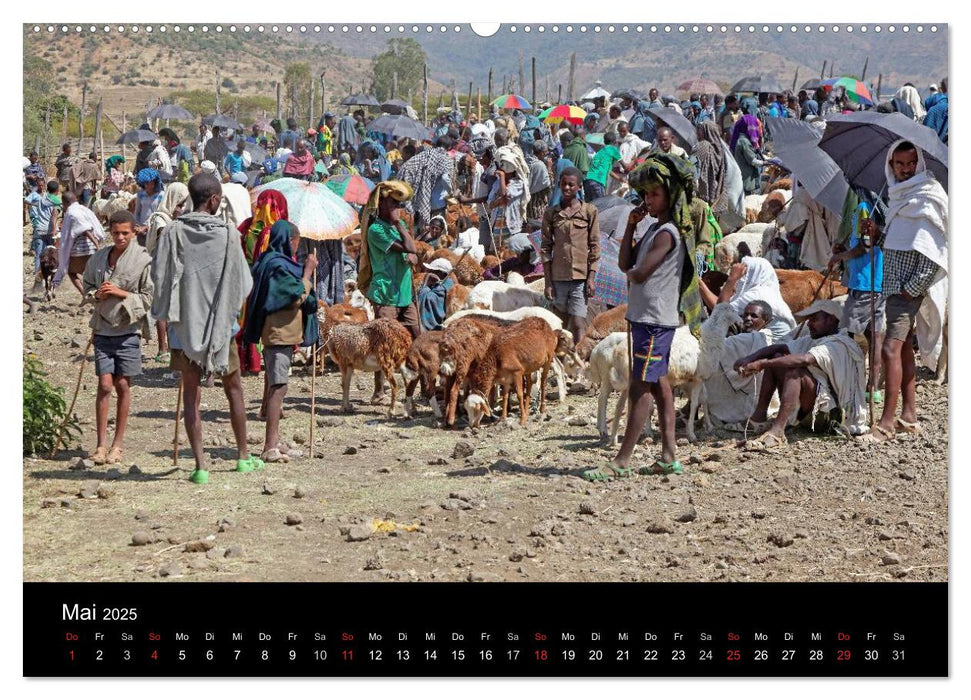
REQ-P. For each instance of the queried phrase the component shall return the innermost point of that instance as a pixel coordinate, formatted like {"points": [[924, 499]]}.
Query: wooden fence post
{"points": [[424, 94], [534, 80], [573, 68]]}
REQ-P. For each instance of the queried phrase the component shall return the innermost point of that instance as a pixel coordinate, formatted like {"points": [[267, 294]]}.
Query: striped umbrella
{"points": [[702, 86], [353, 189], [554, 115], [855, 90], [511, 102], [319, 213]]}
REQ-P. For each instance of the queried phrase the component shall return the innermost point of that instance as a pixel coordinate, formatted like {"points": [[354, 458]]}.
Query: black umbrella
{"points": [[170, 111], [361, 100], [222, 121], [678, 122], [797, 146], [811, 84], [257, 154], [757, 83], [859, 143], [394, 106], [136, 136], [399, 126], [628, 94]]}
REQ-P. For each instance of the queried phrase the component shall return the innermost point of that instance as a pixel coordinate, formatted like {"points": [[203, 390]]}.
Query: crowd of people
{"points": [[216, 277]]}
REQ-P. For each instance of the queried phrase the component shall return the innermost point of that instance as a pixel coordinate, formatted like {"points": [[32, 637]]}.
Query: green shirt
{"points": [[390, 272], [577, 152], [602, 163]]}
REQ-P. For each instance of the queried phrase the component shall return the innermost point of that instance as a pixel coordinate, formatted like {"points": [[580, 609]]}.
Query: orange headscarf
{"points": [[271, 206]]}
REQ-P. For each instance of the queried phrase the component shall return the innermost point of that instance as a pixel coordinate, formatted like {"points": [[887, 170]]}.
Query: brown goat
{"points": [[517, 352], [456, 298], [466, 270], [421, 364], [466, 341], [489, 261], [797, 288], [602, 325], [381, 345]]}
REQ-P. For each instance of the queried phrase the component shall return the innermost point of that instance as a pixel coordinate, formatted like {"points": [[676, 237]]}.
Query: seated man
{"points": [[731, 396], [815, 374]]}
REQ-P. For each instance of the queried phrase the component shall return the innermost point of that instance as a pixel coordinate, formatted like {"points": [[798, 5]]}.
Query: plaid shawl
{"points": [[422, 172]]}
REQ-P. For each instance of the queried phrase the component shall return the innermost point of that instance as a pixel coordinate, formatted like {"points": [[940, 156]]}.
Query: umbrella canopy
{"points": [[610, 284], [757, 84], [860, 142], [627, 94], [225, 147], [222, 121], [702, 86], [398, 126], [554, 115], [678, 122], [394, 106], [596, 139], [136, 136], [511, 102], [855, 90], [797, 147], [256, 152], [353, 189], [264, 125], [170, 111], [361, 100], [319, 213], [596, 93], [811, 84]]}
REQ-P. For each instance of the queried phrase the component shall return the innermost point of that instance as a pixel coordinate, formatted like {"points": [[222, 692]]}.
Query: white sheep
{"points": [[500, 296], [726, 250]]}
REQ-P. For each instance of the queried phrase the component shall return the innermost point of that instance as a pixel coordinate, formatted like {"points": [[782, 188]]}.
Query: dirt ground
{"points": [[497, 503]]}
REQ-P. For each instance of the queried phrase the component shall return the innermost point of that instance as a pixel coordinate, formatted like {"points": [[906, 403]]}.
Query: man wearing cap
{"points": [[933, 98], [819, 377], [432, 293]]}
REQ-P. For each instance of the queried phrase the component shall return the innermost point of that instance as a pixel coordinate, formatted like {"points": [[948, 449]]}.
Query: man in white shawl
{"points": [[815, 224], [81, 234], [914, 242], [820, 379], [201, 280]]}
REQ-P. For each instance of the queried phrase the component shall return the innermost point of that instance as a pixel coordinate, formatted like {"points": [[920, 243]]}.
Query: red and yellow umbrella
{"points": [[571, 113]]}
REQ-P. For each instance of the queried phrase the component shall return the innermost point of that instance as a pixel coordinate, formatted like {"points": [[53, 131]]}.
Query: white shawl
{"points": [[760, 283], [839, 362], [77, 220], [732, 397]]}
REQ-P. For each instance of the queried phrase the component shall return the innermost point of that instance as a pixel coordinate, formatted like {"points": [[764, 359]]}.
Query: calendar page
{"points": [[420, 349]]}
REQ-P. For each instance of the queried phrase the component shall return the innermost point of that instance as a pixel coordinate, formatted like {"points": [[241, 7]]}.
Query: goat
{"points": [[603, 324], [515, 354], [456, 298], [798, 288], [422, 363], [465, 342], [380, 345], [48, 266]]}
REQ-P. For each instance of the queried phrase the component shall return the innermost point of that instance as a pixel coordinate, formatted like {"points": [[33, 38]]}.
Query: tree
{"points": [[296, 75], [39, 86], [405, 57]]}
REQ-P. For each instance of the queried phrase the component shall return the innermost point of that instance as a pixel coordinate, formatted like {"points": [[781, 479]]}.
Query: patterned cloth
{"points": [[909, 271], [610, 284], [422, 171]]}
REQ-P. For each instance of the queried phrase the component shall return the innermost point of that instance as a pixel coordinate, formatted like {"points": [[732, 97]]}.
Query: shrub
{"points": [[44, 409]]}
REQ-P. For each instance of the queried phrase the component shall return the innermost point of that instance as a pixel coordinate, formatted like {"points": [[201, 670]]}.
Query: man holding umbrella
{"points": [[914, 242]]}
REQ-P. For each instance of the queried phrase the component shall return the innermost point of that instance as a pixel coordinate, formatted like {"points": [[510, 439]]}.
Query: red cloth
{"points": [[299, 165]]}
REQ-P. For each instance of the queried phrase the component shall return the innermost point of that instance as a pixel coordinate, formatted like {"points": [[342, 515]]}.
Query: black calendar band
{"points": [[486, 629]]}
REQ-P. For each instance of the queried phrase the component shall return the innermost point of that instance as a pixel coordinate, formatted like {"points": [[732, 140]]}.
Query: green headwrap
{"points": [[678, 178]]}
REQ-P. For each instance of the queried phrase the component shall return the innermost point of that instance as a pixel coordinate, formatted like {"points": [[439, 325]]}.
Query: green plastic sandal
{"points": [[607, 473], [199, 476], [251, 463], [661, 468]]}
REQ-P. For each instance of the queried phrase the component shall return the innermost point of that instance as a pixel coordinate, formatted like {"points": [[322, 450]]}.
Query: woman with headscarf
{"points": [[379, 162], [909, 95], [174, 204], [754, 279], [114, 177], [271, 207], [281, 312], [746, 140], [343, 166], [149, 196]]}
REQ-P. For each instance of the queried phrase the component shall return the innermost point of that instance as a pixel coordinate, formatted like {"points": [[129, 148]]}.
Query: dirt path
{"points": [[499, 503]]}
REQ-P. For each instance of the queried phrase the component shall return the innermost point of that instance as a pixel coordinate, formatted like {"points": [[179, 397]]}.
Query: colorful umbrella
{"points": [[702, 86], [353, 189], [511, 102], [319, 213], [855, 90], [554, 115]]}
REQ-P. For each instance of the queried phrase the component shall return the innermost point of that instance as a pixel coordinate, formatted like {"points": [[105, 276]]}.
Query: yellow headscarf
{"points": [[397, 189]]}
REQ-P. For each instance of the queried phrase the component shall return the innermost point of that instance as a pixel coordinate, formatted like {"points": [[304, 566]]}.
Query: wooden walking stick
{"points": [[872, 379], [178, 414], [313, 379], [77, 388]]}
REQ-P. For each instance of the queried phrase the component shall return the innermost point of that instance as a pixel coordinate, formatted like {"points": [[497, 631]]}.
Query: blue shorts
{"points": [[651, 346]]}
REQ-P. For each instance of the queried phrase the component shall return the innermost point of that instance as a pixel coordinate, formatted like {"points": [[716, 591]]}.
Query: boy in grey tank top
{"points": [[654, 272]]}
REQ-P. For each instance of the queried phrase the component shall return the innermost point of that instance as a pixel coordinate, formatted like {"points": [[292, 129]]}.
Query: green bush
{"points": [[44, 409]]}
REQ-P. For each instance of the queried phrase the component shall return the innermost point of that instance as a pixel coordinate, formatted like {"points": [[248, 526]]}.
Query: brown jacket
{"points": [[571, 244], [285, 327]]}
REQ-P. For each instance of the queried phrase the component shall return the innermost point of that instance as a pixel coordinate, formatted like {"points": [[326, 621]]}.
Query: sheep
{"points": [[464, 342], [116, 201], [380, 345], [422, 363], [726, 250], [500, 296], [682, 373], [514, 355], [602, 325], [753, 205]]}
